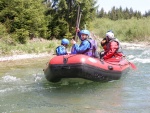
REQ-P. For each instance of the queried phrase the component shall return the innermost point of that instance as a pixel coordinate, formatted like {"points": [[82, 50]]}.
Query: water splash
{"points": [[6, 90], [140, 57], [37, 77], [145, 54], [140, 60], [131, 57], [9, 78]]}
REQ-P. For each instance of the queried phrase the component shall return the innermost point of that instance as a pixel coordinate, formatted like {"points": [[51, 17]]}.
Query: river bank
{"points": [[23, 56], [40, 55]]}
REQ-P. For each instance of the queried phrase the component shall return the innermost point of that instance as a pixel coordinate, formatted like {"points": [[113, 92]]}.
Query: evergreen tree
{"points": [[126, 13], [137, 14], [113, 14], [64, 18], [101, 13], [119, 13], [23, 18], [131, 13]]}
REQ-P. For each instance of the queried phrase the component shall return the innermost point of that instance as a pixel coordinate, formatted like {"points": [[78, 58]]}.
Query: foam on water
{"points": [[133, 46], [140, 60], [145, 54], [5, 90], [9, 78], [143, 57]]}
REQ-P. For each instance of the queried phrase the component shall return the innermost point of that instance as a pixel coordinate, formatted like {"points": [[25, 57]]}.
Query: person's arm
{"points": [[83, 47]]}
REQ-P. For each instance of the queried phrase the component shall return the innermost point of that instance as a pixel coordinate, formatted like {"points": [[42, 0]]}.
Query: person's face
{"points": [[107, 38], [83, 36], [66, 45]]}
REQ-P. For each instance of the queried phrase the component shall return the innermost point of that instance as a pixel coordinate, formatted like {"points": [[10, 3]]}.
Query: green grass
{"points": [[31, 47], [125, 30]]}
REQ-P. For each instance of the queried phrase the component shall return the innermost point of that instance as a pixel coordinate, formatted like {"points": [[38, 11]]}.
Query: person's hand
{"points": [[102, 53], [103, 42], [102, 59], [73, 41], [68, 53], [77, 29]]}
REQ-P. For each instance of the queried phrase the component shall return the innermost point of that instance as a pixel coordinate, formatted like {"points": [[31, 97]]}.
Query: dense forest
{"points": [[21, 20]]}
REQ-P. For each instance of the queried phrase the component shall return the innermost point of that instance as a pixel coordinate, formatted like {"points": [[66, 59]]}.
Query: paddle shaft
{"points": [[133, 66], [78, 21]]}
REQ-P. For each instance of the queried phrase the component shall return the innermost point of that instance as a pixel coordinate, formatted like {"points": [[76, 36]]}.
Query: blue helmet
{"points": [[85, 32], [65, 41]]}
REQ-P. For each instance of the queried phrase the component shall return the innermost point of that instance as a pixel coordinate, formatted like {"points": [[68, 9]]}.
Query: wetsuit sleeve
{"points": [[73, 50], [112, 50], [84, 46]]}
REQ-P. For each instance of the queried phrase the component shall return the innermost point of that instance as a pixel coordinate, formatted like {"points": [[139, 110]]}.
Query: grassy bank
{"points": [[126, 30], [33, 46]]}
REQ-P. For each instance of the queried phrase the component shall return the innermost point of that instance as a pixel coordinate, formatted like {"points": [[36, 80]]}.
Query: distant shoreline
{"points": [[34, 55]]}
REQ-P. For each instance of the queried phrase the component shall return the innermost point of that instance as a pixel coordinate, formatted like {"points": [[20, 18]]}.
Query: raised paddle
{"points": [[133, 66], [77, 21]]}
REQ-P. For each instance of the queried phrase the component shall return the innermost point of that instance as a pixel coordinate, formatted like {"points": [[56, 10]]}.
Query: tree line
{"points": [[21, 20], [120, 13], [24, 19]]}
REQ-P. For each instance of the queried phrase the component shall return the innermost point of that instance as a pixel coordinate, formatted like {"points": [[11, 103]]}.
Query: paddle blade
{"points": [[133, 66]]}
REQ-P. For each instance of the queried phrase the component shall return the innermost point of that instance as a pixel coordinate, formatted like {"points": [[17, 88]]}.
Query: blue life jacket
{"points": [[61, 50]]}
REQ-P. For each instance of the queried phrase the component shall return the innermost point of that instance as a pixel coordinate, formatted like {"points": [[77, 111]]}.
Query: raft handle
{"points": [[110, 67]]}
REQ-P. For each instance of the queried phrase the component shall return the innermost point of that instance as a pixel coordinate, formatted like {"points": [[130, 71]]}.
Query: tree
{"points": [[23, 15], [101, 13], [113, 15], [66, 14], [44, 18]]}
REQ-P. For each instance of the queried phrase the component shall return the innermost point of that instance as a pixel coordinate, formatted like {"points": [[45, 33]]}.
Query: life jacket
{"points": [[62, 51], [92, 50], [119, 50]]}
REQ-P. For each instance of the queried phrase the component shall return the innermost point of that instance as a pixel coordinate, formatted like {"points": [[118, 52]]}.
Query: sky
{"points": [[136, 5]]}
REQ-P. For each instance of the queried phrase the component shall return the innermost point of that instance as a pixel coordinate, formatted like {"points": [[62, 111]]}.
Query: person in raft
{"points": [[112, 48], [88, 46], [62, 49]]}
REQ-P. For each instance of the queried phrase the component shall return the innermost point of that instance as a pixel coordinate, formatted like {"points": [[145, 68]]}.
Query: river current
{"points": [[24, 89]]}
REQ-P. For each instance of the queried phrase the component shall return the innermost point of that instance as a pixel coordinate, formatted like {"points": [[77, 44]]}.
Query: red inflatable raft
{"points": [[82, 66]]}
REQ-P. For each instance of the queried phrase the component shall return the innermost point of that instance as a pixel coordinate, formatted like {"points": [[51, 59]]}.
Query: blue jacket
{"points": [[61, 50], [87, 47], [82, 48]]}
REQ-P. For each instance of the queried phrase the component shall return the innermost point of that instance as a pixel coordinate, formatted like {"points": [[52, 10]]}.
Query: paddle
{"points": [[79, 13], [133, 66], [78, 21]]}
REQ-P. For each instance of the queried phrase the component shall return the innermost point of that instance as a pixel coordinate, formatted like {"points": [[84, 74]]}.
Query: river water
{"points": [[24, 89]]}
